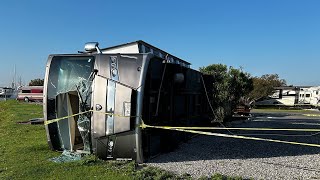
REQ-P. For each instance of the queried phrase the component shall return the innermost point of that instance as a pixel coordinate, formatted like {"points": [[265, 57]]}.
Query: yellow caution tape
{"points": [[230, 136], [143, 126], [248, 138], [225, 128], [312, 115], [65, 117], [191, 130]]}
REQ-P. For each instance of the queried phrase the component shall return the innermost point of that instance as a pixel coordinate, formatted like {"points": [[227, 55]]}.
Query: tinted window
{"points": [[26, 91]]}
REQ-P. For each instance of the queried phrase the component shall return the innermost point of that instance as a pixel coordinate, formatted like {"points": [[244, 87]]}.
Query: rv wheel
{"points": [[26, 99]]}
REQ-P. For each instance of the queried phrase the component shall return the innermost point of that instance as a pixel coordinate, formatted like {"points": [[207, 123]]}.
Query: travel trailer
{"points": [[6, 93], [299, 96], [310, 95], [30, 93], [116, 90], [284, 95]]}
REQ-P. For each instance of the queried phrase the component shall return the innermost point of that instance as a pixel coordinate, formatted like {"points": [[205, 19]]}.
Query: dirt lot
{"points": [[205, 155]]}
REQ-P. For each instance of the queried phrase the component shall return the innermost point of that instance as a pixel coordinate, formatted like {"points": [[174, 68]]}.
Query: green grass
{"points": [[24, 153]]}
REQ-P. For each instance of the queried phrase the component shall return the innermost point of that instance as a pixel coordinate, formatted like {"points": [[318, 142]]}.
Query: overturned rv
{"points": [[114, 90]]}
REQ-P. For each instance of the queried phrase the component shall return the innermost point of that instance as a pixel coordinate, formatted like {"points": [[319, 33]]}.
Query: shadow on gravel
{"points": [[210, 147]]}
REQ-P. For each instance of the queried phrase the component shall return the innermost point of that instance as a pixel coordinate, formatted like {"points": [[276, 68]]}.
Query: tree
{"points": [[264, 86], [240, 86], [36, 82], [229, 86]]}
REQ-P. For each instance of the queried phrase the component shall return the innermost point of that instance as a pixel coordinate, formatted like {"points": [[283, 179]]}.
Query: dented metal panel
{"points": [[122, 76], [99, 103]]}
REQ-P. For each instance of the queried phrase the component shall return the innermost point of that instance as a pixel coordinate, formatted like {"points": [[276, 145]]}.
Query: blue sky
{"points": [[262, 36]]}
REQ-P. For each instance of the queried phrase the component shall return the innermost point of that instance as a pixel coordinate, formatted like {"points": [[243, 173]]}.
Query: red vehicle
{"points": [[242, 110], [30, 93]]}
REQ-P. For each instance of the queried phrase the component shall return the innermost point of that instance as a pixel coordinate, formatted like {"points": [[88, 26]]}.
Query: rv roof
{"points": [[145, 44], [31, 87], [290, 87]]}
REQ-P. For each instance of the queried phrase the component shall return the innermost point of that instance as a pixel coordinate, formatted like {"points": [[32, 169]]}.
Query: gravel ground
{"points": [[207, 155]]}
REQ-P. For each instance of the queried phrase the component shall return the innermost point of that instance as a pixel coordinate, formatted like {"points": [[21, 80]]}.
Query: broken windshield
{"points": [[67, 72], [69, 75]]}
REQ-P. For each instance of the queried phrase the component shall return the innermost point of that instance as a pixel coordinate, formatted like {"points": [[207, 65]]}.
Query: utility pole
{"points": [[20, 81], [13, 84], [14, 78], [5, 94]]}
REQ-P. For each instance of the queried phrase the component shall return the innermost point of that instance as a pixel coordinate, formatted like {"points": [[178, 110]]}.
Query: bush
{"points": [[229, 86]]}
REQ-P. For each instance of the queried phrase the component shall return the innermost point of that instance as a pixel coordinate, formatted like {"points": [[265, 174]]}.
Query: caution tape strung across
{"points": [[225, 128], [65, 117], [193, 130], [230, 136], [187, 128], [312, 115]]}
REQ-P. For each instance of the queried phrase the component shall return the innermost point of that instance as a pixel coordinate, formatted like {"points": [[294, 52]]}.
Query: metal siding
{"points": [[123, 95], [100, 96], [129, 72], [126, 49]]}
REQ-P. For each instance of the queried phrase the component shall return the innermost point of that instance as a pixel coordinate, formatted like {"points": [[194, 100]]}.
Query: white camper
{"points": [[310, 95]]}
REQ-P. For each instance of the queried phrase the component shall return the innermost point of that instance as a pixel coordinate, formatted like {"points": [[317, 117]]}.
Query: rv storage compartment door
{"points": [[114, 102], [117, 77]]}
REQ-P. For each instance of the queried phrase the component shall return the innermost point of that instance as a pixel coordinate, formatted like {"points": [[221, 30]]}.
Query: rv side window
{"points": [[36, 91], [26, 91], [307, 95], [147, 49]]}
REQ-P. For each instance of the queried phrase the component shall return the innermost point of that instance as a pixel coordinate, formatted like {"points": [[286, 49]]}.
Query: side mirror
{"points": [[92, 46]]}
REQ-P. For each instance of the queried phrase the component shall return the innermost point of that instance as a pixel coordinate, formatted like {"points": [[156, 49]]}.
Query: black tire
{"points": [[26, 99]]}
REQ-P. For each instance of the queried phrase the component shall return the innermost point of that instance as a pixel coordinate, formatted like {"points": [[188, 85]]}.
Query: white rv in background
{"points": [[310, 95], [294, 96], [30, 93], [6, 93], [285, 95]]}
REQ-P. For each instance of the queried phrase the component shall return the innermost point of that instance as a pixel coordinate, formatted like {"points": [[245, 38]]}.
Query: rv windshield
{"points": [[68, 92], [67, 72]]}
